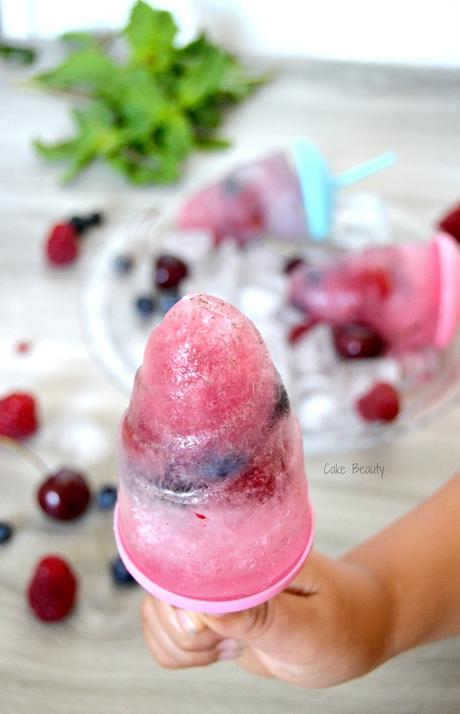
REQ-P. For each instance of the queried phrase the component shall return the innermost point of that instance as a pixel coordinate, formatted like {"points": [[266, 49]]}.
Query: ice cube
{"points": [[356, 378], [418, 366], [314, 352], [259, 303], [360, 220], [318, 410], [191, 245]]}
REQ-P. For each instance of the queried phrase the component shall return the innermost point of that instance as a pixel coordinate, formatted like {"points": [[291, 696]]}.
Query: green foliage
{"points": [[146, 115]]}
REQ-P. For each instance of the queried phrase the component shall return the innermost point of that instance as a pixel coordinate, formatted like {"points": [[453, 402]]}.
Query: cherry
{"points": [[451, 223], [292, 263], [358, 341], [169, 272], [64, 495], [381, 403]]}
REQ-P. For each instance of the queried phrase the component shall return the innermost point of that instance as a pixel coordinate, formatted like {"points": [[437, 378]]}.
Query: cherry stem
{"points": [[12, 445]]}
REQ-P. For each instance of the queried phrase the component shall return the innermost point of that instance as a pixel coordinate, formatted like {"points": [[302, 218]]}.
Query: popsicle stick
{"points": [[367, 168]]}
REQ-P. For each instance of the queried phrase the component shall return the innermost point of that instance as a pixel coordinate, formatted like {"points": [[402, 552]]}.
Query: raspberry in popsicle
{"points": [[213, 501]]}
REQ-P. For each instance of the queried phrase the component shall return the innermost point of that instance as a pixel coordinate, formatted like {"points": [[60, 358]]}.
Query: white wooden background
{"points": [[96, 661]]}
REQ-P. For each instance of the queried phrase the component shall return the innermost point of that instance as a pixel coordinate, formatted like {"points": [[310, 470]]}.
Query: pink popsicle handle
{"points": [[211, 606]]}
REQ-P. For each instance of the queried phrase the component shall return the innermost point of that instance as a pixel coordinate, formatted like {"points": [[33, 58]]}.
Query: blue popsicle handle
{"points": [[361, 171]]}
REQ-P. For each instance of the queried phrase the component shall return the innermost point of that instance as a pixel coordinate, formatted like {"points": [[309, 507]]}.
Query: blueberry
{"points": [[106, 498], [6, 531], [231, 185], [120, 575], [123, 264], [282, 405], [79, 223], [95, 219], [145, 305], [220, 467], [167, 300]]}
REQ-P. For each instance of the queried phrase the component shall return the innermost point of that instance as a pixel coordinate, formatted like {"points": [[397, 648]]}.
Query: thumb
{"points": [[270, 624], [248, 625]]}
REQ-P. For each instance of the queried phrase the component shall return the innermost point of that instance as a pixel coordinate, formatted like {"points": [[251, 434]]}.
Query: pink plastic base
{"points": [[210, 606], [448, 255]]}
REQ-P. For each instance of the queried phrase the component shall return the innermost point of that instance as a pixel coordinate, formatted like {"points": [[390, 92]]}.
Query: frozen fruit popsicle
{"points": [[408, 293], [260, 197], [288, 195], [213, 511]]}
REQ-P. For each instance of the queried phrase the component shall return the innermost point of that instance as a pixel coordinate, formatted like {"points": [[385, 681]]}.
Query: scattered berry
{"points": [[292, 263], [120, 575], [22, 347], [95, 219], [64, 495], [301, 329], [62, 245], [106, 498], [381, 403], [79, 223], [145, 305], [18, 416], [53, 589], [167, 300], [357, 341], [169, 272], [82, 223], [6, 531], [123, 264], [451, 223]]}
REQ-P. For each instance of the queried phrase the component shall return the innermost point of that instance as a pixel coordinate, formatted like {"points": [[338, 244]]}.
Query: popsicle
{"points": [[408, 293], [288, 195], [213, 511]]}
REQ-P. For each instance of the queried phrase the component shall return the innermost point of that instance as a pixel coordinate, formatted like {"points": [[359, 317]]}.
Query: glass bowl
{"points": [[253, 280]]}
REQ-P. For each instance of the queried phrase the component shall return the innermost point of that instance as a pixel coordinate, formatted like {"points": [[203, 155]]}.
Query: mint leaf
{"points": [[147, 113], [151, 35], [139, 102], [87, 69], [80, 40], [203, 73]]}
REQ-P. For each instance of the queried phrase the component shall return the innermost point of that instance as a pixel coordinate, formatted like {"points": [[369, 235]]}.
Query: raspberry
{"points": [[381, 403], [53, 589], [18, 417], [62, 245], [451, 223]]}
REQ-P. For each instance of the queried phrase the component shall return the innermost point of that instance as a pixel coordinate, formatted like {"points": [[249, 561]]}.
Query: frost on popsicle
{"points": [[213, 496]]}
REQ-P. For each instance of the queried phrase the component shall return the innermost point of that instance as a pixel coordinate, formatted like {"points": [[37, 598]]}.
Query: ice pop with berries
{"points": [[213, 512], [408, 293], [287, 195]]}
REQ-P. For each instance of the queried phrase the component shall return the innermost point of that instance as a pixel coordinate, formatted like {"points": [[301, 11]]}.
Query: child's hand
{"points": [[331, 625]]}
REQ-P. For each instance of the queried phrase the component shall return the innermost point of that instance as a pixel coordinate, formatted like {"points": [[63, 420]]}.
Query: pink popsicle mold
{"points": [[217, 607], [448, 256]]}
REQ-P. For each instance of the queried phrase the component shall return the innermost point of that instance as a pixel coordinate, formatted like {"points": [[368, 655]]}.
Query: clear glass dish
{"points": [[116, 335]]}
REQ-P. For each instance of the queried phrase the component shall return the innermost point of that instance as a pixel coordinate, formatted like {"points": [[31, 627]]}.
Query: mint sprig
{"points": [[145, 115]]}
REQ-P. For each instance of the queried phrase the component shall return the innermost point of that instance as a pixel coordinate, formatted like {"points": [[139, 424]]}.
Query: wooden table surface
{"points": [[96, 661]]}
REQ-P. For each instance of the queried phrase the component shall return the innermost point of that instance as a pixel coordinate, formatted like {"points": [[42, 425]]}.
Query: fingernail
{"points": [[228, 649], [188, 622]]}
